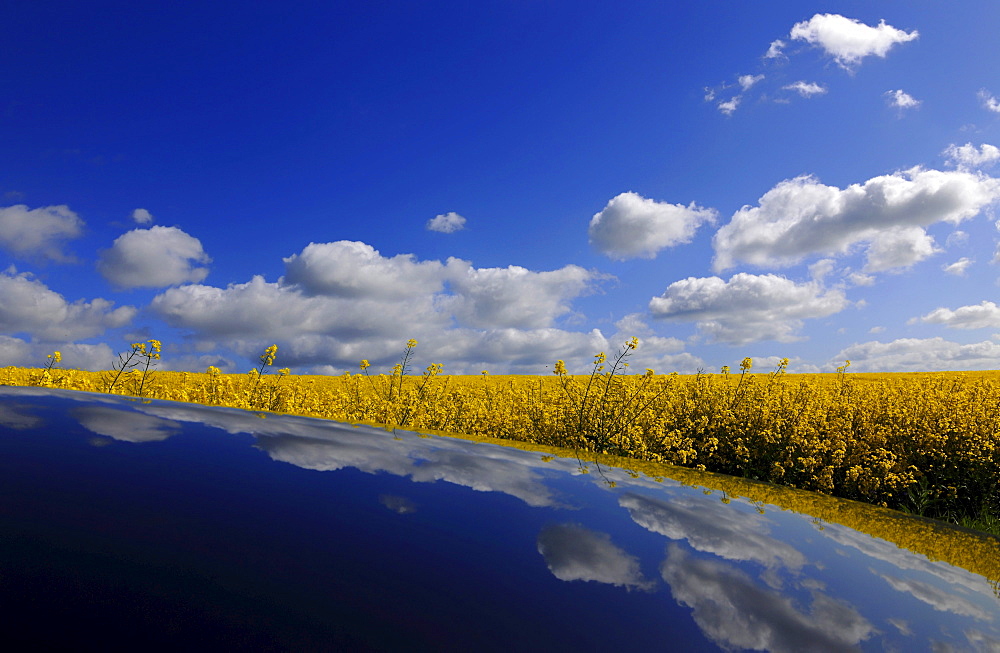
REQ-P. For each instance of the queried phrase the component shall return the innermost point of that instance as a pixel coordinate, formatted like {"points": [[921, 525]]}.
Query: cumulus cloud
{"points": [[729, 106], [919, 355], [512, 296], [631, 226], [747, 308], [969, 157], [775, 50], [990, 102], [801, 216], [573, 552], [341, 302], [805, 89], [901, 99], [28, 306], [354, 269], [142, 216], [860, 279], [446, 223], [15, 351], [847, 40], [38, 233], [898, 248], [984, 315], [959, 267], [153, 258], [746, 81]]}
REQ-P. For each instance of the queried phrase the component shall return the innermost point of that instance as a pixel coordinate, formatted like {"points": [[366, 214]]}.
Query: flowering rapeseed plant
{"points": [[130, 361]]}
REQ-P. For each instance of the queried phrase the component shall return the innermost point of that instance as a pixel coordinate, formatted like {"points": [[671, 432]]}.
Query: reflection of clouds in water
{"points": [[962, 579], [573, 552], [402, 505], [901, 625], [125, 425], [713, 527], [486, 471], [981, 641], [13, 418], [936, 597], [733, 611], [326, 445]]}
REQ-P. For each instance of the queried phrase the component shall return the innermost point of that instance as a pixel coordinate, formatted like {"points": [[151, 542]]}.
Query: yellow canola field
{"points": [[926, 442]]}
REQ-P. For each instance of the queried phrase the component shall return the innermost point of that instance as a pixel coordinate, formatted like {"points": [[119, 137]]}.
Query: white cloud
{"points": [[861, 279], [38, 232], [805, 89], [747, 308], [354, 269], [14, 351], [341, 302], [801, 216], [990, 102], [29, 306], [573, 552], [820, 269], [512, 296], [969, 157], [153, 258], [746, 81], [847, 40], [730, 106], [958, 237], [898, 248], [901, 100], [142, 216], [774, 51], [984, 315], [919, 355], [446, 223], [631, 226], [876, 329], [959, 267]]}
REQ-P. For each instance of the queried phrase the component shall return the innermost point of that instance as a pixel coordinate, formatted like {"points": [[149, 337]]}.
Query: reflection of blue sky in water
{"points": [[768, 581]]}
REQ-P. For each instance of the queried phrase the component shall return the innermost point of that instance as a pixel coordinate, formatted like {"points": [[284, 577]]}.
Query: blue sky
{"points": [[509, 183]]}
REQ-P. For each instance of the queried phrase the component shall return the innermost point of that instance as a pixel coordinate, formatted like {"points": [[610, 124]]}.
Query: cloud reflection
{"points": [[713, 527], [125, 425], [734, 611], [573, 552]]}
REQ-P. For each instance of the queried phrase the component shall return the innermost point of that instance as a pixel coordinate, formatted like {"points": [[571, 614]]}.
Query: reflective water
{"points": [[165, 524]]}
